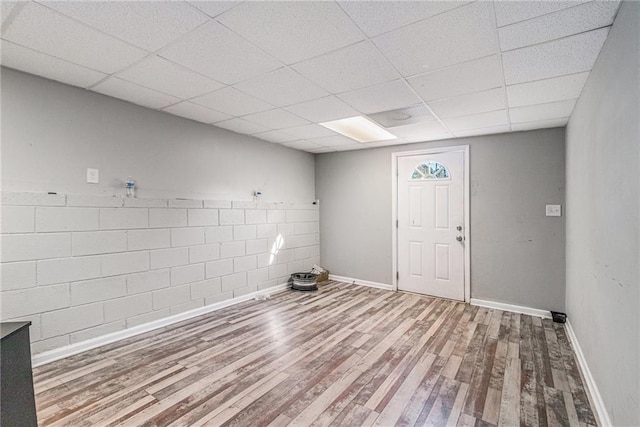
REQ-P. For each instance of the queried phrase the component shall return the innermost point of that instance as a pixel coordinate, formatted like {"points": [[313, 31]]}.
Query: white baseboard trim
{"points": [[361, 282], [592, 388], [70, 350], [511, 307]]}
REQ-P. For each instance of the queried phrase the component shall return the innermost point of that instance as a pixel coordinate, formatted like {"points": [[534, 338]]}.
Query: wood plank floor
{"points": [[344, 355]]}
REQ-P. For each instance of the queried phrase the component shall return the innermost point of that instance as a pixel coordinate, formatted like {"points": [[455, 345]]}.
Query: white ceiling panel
{"points": [[544, 124], [569, 55], [508, 12], [350, 68], [276, 136], [375, 18], [321, 150], [8, 9], [216, 52], [46, 31], [233, 102], [387, 96], [473, 103], [196, 112], [214, 8], [333, 141], [127, 91], [302, 145], [164, 76], [146, 24], [422, 131], [478, 121], [309, 131], [534, 113], [484, 131], [544, 91], [293, 31], [473, 76], [282, 87], [276, 119], [564, 23], [30, 61], [439, 41], [242, 126], [323, 109], [351, 147]]}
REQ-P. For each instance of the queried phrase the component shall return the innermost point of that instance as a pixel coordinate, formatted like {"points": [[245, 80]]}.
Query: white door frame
{"points": [[394, 211]]}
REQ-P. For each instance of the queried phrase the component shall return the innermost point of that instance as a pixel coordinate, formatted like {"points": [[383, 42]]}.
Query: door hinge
{"points": [[397, 275], [396, 223]]}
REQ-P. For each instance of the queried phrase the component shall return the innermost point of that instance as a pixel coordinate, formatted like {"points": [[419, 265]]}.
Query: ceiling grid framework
{"points": [[275, 70]]}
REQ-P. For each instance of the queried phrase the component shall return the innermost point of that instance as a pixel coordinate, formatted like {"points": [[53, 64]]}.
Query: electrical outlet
{"points": [[93, 176], [554, 210]]}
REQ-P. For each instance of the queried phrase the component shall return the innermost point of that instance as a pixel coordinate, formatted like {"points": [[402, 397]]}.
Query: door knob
{"points": [[459, 238], [459, 228]]}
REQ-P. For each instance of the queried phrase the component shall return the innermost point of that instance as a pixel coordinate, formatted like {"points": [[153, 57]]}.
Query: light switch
{"points": [[554, 210], [93, 176]]}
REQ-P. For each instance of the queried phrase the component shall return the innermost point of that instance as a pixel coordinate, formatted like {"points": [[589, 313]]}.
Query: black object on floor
{"points": [[559, 317]]}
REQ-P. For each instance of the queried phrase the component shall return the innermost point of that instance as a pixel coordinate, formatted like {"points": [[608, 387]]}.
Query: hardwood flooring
{"points": [[344, 355]]}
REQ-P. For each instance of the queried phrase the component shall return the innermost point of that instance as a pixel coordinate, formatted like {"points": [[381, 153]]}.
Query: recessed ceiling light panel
{"points": [[359, 128]]}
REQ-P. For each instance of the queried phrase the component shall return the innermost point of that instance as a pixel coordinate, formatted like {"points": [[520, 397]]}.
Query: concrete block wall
{"points": [[83, 266]]}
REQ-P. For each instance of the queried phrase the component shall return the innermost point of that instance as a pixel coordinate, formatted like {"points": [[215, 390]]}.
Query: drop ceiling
{"points": [[274, 70]]}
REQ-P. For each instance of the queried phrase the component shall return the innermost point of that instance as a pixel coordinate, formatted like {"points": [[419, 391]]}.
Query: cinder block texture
{"points": [[81, 266]]}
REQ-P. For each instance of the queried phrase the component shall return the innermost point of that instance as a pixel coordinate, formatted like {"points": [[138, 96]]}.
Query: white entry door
{"points": [[431, 235]]}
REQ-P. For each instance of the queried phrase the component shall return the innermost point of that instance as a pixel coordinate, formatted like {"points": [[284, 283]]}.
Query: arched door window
{"points": [[430, 170]]}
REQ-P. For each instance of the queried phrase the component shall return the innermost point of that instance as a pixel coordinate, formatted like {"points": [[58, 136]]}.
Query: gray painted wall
{"points": [[51, 133], [603, 217], [517, 254]]}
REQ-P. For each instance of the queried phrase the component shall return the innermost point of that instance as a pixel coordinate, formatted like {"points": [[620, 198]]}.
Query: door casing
{"points": [[467, 210]]}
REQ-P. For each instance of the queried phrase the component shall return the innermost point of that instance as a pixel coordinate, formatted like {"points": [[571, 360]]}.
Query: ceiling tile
{"points": [[127, 91], [323, 109], [552, 110], [217, 52], [195, 112], [146, 24], [8, 9], [333, 141], [321, 150], [30, 61], [302, 145], [352, 67], [543, 124], [508, 12], [232, 101], [293, 31], [351, 147], [473, 76], [242, 126], [276, 136], [477, 121], [309, 131], [387, 96], [164, 76], [46, 31], [484, 131], [544, 91], [375, 18], [473, 103], [276, 119], [421, 132], [559, 24], [282, 87], [460, 35], [570, 55], [214, 8]]}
